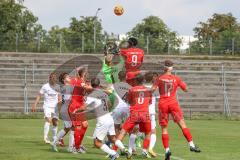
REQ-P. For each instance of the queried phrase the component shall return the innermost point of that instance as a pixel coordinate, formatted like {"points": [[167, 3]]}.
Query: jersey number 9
{"points": [[134, 60]]}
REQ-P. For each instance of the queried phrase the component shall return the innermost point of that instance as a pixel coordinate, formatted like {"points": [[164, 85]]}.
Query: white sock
{"points": [[71, 139], [152, 141], [167, 150], [134, 147], [132, 139], [54, 132], [60, 135], [107, 150], [119, 144], [191, 144], [46, 129]]}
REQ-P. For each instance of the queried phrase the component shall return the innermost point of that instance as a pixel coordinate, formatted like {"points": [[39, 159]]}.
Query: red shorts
{"points": [[169, 108], [130, 77], [144, 124]]}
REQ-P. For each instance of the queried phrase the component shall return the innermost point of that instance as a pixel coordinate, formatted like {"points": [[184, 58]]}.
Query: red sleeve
{"points": [[72, 81], [123, 52], [129, 96], [181, 84]]}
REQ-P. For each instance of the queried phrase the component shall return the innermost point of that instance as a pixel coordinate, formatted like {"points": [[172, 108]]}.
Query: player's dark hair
{"points": [[155, 73], [122, 75], [52, 74], [62, 77], [148, 77], [139, 78], [132, 41], [95, 82], [81, 71], [168, 63]]}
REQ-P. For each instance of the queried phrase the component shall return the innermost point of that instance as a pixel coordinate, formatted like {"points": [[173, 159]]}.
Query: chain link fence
{"points": [[80, 44]]}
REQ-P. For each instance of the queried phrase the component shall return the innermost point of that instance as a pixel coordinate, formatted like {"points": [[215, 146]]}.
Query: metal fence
{"points": [[81, 44], [221, 74]]}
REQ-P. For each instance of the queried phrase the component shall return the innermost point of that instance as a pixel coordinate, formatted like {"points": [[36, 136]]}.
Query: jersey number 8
{"points": [[141, 98]]}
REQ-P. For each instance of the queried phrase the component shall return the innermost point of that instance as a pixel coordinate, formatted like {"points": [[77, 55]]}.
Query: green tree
{"points": [[17, 21], [215, 25], [219, 30], [85, 28], [78, 37], [53, 41], [153, 31]]}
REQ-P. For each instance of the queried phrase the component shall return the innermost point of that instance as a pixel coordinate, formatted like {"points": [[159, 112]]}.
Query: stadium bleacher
{"points": [[205, 79]]}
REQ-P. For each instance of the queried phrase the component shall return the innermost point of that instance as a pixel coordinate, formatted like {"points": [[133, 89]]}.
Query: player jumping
{"points": [[168, 104], [133, 58], [139, 98], [77, 104], [66, 92]]}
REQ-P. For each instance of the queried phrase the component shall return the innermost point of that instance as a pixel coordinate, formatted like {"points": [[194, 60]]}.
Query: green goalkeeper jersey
{"points": [[111, 72], [111, 75]]}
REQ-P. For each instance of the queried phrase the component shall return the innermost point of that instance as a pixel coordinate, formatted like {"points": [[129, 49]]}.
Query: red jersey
{"points": [[139, 98], [168, 85], [78, 91], [133, 58]]}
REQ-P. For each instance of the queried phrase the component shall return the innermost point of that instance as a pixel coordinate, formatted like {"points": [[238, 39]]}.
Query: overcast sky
{"points": [[180, 15]]}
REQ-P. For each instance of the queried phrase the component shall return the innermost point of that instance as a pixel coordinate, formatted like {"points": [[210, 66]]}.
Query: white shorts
{"points": [[103, 129], [120, 115], [153, 121], [64, 115], [50, 112]]}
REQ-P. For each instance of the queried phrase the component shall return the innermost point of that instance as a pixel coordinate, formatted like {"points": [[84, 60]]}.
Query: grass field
{"points": [[21, 139]]}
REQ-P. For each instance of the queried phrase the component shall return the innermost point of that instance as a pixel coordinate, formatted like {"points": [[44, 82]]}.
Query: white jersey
{"points": [[121, 90], [101, 108], [155, 96], [66, 92], [50, 94]]}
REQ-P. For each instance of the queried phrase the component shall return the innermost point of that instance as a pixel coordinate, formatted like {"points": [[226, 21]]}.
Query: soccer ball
{"points": [[118, 10]]}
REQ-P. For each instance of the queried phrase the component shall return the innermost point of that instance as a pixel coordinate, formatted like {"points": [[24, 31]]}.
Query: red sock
{"points": [[77, 137], [115, 148], [82, 133], [165, 140], [146, 143], [187, 134]]}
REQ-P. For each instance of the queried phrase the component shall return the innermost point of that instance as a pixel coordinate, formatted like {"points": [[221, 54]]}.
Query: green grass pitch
{"points": [[21, 139]]}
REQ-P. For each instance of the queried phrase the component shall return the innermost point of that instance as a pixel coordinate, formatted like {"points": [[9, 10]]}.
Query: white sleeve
{"points": [[42, 90], [89, 100]]}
